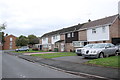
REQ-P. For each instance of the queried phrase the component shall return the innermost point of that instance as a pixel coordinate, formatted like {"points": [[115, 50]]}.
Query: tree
{"points": [[2, 37], [33, 40], [22, 41], [3, 26]]}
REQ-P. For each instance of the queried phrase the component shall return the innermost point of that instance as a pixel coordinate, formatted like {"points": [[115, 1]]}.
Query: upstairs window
{"points": [[68, 35], [73, 34], [103, 29], [11, 39], [93, 31]]}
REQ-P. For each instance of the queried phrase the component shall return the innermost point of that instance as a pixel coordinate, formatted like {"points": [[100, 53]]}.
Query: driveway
{"points": [[76, 59]]}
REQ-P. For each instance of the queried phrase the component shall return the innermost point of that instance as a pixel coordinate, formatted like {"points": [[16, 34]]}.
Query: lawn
{"points": [[30, 51], [54, 55], [112, 61]]}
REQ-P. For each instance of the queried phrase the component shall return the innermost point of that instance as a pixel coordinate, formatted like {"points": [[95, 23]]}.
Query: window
{"points": [[55, 37], [103, 29], [44, 39], [93, 31], [68, 35], [10, 47], [11, 39], [10, 43], [73, 34]]}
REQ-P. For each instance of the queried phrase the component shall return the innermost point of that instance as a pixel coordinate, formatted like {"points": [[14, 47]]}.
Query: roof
{"points": [[99, 22], [73, 28], [59, 41]]}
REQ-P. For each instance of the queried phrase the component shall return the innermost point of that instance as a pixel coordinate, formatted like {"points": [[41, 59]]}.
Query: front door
{"points": [[62, 47]]}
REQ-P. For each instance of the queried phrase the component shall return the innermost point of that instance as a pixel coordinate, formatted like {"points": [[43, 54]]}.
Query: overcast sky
{"points": [[25, 17]]}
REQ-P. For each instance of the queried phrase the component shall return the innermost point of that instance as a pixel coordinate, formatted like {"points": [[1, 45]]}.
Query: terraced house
{"points": [[105, 30], [59, 39], [101, 31]]}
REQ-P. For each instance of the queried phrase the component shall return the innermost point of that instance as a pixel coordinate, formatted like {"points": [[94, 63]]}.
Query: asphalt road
{"points": [[14, 67], [76, 59]]}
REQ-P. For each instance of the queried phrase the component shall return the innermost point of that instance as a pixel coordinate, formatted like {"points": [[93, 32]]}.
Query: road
{"points": [[14, 67]]}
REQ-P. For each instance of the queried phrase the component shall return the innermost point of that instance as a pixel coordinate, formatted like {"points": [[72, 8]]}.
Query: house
{"points": [[101, 31], [71, 37], [9, 43], [51, 40], [98, 31], [61, 39], [0, 45]]}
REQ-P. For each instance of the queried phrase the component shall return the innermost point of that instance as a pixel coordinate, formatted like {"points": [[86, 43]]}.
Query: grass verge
{"points": [[54, 55], [30, 51], [112, 61]]}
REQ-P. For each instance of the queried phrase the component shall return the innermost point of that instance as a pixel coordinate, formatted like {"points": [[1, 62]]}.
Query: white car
{"points": [[24, 48], [78, 51], [100, 50]]}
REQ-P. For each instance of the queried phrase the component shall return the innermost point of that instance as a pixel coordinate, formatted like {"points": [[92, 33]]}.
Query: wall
{"points": [[115, 29], [82, 35], [62, 37], [7, 42], [45, 40], [99, 35], [57, 38], [71, 39]]}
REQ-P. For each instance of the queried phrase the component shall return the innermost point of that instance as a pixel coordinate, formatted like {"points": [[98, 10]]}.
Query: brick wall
{"points": [[82, 35], [62, 37], [115, 30], [49, 39], [69, 47], [7, 42]]}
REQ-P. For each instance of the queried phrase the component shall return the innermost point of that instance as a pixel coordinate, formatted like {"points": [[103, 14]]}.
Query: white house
{"points": [[98, 33], [55, 38]]}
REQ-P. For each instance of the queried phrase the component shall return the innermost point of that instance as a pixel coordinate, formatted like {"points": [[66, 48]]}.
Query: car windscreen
{"points": [[98, 46], [88, 46]]}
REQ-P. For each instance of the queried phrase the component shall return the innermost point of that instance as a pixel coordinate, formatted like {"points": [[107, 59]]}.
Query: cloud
{"points": [[41, 16]]}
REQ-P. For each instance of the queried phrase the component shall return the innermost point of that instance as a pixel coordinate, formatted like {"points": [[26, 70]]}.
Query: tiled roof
{"points": [[94, 23], [98, 22], [73, 28]]}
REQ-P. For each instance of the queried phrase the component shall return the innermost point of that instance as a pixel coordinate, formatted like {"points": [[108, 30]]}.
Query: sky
{"points": [[26, 17]]}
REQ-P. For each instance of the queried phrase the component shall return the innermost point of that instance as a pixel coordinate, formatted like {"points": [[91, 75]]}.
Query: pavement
{"points": [[76, 68]]}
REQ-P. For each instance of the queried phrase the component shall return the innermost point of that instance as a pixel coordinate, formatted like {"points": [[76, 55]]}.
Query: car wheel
{"points": [[101, 55], [116, 53], [78, 54]]}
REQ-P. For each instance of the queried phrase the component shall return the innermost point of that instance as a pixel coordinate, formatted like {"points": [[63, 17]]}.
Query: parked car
{"points": [[24, 48], [100, 50], [78, 51], [118, 47]]}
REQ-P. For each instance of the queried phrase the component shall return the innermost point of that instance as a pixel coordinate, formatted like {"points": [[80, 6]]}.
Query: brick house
{"points": [[71, 37], [9, 43], [0, 45], [98, 31], [101, 31]]}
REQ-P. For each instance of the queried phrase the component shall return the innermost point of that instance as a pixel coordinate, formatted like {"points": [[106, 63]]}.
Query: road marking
{"points": [[22, 76]]}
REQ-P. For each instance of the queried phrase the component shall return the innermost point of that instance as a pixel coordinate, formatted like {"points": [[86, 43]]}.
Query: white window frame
{"points": [[11, 39], [68, 35], [94, 31], [72, 34], [103, 29]]}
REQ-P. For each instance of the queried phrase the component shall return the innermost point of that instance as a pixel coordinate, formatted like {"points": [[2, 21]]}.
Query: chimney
{"points": [[6, 35], [89, 20]]}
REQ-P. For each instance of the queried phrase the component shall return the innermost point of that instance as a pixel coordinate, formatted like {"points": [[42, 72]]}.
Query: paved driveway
{"points": [[76, 59]]}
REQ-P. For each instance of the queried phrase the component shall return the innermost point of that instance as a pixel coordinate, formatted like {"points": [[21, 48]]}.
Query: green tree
{"points": [[33, 39], [22, 41], [2, 37], [3, 26]]}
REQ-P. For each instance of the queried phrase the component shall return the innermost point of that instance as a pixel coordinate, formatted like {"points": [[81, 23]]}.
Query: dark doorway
{"points": [[116, 41], [40, 47]]}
